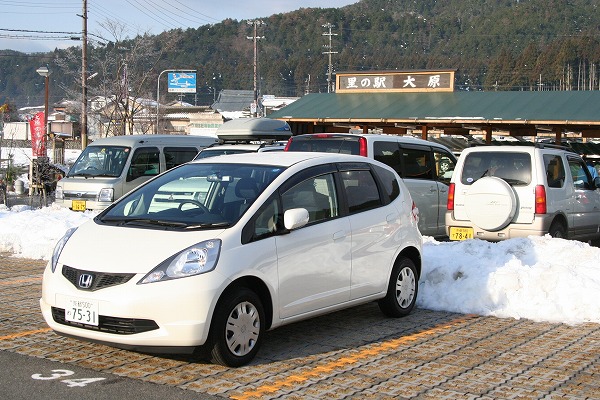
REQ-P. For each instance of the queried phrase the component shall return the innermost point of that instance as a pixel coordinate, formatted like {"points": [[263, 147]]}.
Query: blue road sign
{"points": [[182, 82]]}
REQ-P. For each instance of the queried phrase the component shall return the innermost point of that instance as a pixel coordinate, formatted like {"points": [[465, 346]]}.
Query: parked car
{"points": [[247, 135], [502, 192], [110, 167], [216, 251], [426, 167]]}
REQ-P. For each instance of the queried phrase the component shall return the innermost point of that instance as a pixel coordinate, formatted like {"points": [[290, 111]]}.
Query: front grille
{"points": [[99, 280], [120, 326], [80, 196]]}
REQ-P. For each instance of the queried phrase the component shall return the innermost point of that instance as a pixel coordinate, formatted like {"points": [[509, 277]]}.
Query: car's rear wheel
{"points": [[402, 289], [557, 230], [238, 327]]}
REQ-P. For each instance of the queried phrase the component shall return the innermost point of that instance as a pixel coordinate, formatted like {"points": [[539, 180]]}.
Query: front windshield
{"points": [[100, 161], [193, 196]]}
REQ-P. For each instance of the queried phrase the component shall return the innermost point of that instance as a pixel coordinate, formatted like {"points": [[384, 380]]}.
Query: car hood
{"points": [[102, 248]]}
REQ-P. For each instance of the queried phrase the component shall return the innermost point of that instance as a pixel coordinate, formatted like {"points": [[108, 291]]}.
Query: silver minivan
{"points": [[425, 166], [110, 167]]}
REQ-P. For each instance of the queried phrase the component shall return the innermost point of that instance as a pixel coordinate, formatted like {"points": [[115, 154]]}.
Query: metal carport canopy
{"points": [[540, 110]]}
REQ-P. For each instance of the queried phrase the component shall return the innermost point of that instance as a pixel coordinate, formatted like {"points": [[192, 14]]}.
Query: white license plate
{"points": [[84, 311]]}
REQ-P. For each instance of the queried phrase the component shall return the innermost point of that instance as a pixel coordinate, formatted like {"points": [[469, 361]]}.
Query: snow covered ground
{"points": [[538, 278]]}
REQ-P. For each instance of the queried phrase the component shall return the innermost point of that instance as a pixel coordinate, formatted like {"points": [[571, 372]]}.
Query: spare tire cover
{"points": [[491, 203]]}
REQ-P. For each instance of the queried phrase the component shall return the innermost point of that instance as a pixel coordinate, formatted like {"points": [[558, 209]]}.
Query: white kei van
{"points": [[110, 167]]}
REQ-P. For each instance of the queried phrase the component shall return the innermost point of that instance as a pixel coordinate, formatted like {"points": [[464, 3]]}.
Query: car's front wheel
{"points": [[237, 330], [402, 289]]}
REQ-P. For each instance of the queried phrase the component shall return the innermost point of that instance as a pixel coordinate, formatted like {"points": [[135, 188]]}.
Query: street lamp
{"points": [[35, 181], [45, 72]]}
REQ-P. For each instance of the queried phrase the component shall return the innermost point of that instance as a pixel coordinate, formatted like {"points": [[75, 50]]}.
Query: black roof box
{"points": [[254, 129]]}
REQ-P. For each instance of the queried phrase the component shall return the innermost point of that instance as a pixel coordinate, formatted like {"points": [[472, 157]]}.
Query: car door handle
{"points": [[433, 189], [339, 235]]}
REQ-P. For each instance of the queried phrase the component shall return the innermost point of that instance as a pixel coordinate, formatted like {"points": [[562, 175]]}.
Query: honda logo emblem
{"points": [[85, 281]]}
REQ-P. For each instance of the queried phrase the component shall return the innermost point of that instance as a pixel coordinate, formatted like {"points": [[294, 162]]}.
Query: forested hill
{"points": [[492, 44]]}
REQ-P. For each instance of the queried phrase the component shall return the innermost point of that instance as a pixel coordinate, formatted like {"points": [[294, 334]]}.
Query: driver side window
{"points": [[580, 174]]}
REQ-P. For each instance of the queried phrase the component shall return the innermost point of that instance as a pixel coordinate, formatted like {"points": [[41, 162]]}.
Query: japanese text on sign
{"points": [[398, 82]]}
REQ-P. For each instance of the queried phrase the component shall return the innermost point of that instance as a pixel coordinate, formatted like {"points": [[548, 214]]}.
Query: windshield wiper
{"points": [[208, 225], [154, 222]]}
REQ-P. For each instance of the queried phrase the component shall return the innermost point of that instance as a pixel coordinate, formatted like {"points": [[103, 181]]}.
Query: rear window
{"points": [[325, 144], [514, 168]]}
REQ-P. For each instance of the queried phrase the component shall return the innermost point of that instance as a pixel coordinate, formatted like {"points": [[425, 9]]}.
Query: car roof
{"points": [[517, 148], [130, 140], [233, 146], [376, 136], [284, 159]]}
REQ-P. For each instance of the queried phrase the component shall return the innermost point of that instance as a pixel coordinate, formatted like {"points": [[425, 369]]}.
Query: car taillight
{"points": [[362, 146], [450, 203], [287, 146], [540, 199], [415, 212]]}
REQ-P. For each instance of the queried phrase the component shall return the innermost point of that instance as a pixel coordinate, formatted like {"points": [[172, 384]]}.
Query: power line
{"points": [[28, 31]]}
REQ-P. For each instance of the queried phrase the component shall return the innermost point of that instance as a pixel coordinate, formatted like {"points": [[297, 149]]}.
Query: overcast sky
{"points": [[24, 25]]}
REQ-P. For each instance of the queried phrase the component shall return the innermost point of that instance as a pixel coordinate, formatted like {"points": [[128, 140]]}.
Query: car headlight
{"points": [[58, 193], [60, 245], [106, 194], [197, 259]]}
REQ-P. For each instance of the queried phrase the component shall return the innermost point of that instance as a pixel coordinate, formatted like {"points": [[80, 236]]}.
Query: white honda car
{"points": [[214, 252]]}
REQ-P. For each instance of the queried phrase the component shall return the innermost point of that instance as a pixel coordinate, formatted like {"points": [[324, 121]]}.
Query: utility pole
{"points": [[329, 52], [84, 18], [256, 23]]}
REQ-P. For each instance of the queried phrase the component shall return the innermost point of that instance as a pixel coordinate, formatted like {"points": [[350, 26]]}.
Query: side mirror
{"points": [[295, 218]]}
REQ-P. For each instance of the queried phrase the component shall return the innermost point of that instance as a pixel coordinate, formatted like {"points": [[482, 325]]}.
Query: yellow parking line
{"points": [[346, 360], [21, 334], [28, 280]]}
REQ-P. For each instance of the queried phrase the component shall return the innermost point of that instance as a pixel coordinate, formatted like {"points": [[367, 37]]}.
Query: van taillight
{"points": [[450, 203], [540, 199], [362, 146]]}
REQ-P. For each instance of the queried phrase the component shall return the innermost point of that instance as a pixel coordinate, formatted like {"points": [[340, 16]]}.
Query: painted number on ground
{"points": [[61, 373]]}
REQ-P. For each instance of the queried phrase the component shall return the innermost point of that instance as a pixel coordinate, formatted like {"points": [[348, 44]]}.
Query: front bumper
{"points": [[172, 314]]}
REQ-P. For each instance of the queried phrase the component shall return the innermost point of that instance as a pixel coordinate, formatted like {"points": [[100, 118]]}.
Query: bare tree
{"points": [[120, 80]]}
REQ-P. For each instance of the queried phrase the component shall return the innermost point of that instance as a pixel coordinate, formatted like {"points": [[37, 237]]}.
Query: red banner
{"points": [[38, 135]]}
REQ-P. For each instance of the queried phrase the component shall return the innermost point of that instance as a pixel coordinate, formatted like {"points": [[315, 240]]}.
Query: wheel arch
{"points": [[257, 286], [414, 254], [561, 219]]}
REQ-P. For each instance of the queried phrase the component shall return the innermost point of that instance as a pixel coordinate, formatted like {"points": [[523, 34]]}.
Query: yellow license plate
{"points": [[460, 233], [78, 205]]}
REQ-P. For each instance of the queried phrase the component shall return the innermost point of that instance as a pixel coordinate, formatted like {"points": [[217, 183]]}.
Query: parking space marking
{"points": [[26, 333], [329, 367], [15, 282]]}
